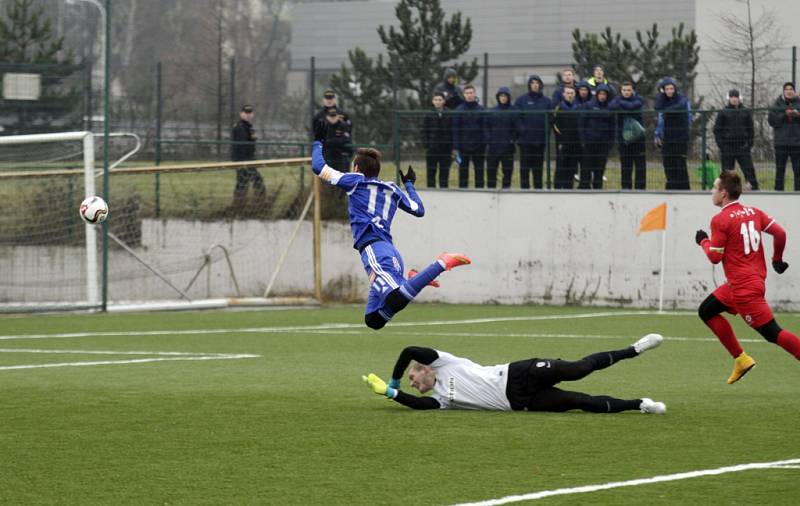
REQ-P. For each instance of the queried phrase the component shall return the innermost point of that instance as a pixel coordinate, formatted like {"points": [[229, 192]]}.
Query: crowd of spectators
{"points": [[588, 119]]}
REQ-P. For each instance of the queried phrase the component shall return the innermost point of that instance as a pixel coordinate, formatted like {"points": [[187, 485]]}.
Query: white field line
{"points": [[153, 356], [513, 334], [330, 326], [778, 464]]}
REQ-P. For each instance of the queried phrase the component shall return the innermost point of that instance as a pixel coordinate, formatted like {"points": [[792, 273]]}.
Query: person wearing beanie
{"points": [[784, 118], [733, 131]]}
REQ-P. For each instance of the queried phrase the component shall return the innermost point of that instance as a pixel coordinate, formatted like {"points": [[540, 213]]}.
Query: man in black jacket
{"points": [[437, 139], [524, 385], [733, 132], [784, 118], [243, 148]]}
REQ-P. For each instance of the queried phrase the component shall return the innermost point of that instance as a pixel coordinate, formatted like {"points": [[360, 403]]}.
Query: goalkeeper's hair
{"points": [[731, 183], [368, 161]]}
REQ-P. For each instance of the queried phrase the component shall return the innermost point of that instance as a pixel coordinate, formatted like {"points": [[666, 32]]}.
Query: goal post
{"points": [[180, 234], [86, 139]]}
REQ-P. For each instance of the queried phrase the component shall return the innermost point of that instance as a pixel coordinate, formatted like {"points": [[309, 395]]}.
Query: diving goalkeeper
{"points": [[525, 385], [372, 206]]}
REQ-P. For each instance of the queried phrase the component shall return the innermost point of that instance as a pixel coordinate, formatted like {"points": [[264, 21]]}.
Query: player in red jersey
{"points": [[736, 241]]}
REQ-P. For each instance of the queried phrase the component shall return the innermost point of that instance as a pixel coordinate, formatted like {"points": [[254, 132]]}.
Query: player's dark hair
{"points": [[731, 183], [368, 161]]}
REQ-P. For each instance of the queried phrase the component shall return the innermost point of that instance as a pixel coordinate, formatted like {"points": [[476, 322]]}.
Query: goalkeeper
{"points": [[526, 385], [372, 206]]}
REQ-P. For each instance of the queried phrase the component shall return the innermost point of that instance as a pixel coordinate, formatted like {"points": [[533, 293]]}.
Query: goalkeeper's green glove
{"points": [[379, 386]]}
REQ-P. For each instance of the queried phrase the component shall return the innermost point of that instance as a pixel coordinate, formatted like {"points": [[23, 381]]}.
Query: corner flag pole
{"points": [[663, 261]]}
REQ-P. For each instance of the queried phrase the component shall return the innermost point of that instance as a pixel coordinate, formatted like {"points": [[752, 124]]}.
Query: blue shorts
{"points": [[384, 266]]}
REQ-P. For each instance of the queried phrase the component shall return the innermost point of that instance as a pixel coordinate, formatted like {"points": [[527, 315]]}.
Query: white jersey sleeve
{"points": [[463, 384]]}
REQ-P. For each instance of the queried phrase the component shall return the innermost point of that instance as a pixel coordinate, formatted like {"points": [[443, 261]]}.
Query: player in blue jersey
{"points": [[372, 205]]}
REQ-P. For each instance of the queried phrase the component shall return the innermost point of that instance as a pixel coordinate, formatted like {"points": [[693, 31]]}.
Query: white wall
{"points": [[544, 247]]}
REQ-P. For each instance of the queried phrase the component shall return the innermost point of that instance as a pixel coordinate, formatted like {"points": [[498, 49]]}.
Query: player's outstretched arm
{"points": [[778, 243], [378, 386], [344, 181], [410, 203]]}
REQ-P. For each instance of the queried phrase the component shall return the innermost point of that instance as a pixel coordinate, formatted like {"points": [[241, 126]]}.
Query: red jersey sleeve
{"points": [[770, 226], [715, 246]]}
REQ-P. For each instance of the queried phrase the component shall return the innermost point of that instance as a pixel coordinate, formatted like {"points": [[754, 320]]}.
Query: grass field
{"points": [[267, 407]]}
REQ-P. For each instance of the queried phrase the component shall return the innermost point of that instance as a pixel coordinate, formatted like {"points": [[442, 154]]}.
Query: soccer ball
{"points": [[94, 210]]}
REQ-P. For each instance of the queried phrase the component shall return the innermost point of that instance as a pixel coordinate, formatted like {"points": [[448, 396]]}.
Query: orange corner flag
{"points": [[655, 219]]}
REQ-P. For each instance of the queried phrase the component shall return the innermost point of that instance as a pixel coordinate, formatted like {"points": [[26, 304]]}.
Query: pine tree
{"points": [[417, 52], [27, 36]]}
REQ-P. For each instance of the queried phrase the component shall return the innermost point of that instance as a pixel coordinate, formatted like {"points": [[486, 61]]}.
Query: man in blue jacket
{"points": [[469, 137], [627, 107], [597, 133], [672, 133], [500, 134], [531, 132]]}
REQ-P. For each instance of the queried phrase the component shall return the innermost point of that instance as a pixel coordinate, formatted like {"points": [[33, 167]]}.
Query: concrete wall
{"points": [[547, 247]]}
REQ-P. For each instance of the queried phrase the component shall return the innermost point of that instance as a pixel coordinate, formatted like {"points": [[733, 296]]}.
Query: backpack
{"points": [[632, 130]]}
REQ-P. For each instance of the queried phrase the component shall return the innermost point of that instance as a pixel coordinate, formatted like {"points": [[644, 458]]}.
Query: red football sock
{"points": [[724, 332], [790, 343]]}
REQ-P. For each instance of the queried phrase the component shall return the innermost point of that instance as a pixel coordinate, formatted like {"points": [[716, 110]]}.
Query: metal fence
{"points": [[581, 150]]}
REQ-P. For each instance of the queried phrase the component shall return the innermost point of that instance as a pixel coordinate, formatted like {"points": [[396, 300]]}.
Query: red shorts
{"points": [[752, 307]]}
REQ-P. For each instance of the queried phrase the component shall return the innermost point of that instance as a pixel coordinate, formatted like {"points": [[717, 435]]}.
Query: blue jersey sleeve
{"points": [[344, 181], [411, 203]]}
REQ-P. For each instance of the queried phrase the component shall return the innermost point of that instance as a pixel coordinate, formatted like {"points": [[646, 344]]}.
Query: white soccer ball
{"points": [[94, 210]]}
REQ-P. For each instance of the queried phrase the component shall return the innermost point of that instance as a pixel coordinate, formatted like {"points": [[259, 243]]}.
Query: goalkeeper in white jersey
{"points": [[372, 205], [525, 385]]}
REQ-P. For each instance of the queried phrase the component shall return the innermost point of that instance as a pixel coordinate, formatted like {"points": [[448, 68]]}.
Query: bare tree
{"points": [[752, 42]]}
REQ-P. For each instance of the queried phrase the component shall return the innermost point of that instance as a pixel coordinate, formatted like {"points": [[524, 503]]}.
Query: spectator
{"points": [[582, 98], [707, 172], [243, 149], [328, 103], [598, 78], [630, 136], [567, 81], [672, 133], [501, 134], [338, 145], [568, 140], [733, 131], [784, 118], [597, 134], [452, 93], [531, 133], [437, 139], [469, 138]]}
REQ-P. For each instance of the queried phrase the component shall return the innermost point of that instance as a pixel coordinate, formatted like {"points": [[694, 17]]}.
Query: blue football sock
{"points": [[411, 287]]}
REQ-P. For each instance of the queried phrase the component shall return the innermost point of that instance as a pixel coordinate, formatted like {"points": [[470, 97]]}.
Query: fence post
{"points": [[311, 84], [794, 65], [486, 80], [88, 87], [233, 90], [547, 148], [703, 146], [159, 112], [396, 143]]}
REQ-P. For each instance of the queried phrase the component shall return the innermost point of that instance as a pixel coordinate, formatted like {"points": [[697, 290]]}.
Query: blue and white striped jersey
{"points": [[372, 202]]}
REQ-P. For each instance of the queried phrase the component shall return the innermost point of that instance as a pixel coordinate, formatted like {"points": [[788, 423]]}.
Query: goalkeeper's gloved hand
{"points": [[379, 386], [700, 236], [780, 266], [394, 383], [409, 177]]}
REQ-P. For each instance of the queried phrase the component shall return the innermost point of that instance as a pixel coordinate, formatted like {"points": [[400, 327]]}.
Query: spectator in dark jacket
{"points": [[328, 103], [243, 148], [784, 118], [448, 87], [469, 138], [627, 107], [597, 134], [338, 146], [598, 78], [437, 139], [672, 133], [567, 81], [733, 131], [500, 135], [583, 97], [531, 134], [568, 140]]}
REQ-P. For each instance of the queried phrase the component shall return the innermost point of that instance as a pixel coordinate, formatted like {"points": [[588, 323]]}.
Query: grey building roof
{"points": [[513, 32]]}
